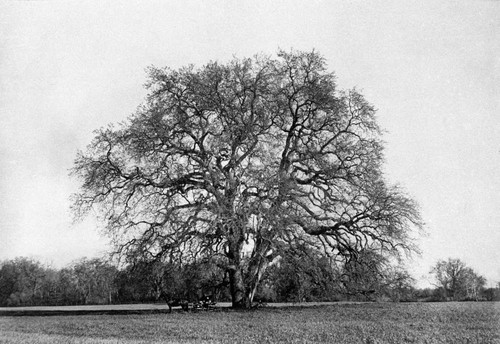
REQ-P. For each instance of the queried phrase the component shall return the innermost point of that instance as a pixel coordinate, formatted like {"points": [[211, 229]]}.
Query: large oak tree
{"points": [[237, 162]]}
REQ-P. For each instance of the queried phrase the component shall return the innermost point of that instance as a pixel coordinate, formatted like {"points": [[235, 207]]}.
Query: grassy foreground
{"points": [[340, 323]]}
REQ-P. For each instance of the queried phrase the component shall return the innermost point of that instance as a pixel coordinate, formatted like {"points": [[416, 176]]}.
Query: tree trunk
{"points": [[259, 262], [244, 284], [255, 285], [236, 277], [237, 285], [256, 272]]}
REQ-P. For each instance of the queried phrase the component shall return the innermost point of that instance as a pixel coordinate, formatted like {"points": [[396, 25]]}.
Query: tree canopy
{"points": [[241, 161]]}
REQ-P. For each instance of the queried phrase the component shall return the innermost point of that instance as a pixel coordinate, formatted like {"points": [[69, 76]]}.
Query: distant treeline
{"points": [[27, 282]]}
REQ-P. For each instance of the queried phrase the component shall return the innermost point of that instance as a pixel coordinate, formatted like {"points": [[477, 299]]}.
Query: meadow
{"points": [[454, 322]]}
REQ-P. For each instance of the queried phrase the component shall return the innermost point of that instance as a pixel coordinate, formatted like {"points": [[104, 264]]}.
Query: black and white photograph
{"points": [[249, 171]]}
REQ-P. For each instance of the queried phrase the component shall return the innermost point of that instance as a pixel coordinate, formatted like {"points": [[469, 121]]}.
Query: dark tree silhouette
{"points": [[241, 160]]}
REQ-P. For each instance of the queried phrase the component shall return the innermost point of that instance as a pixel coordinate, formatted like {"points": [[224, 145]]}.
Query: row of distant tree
{"points": [[25, 281], [308, 276]]}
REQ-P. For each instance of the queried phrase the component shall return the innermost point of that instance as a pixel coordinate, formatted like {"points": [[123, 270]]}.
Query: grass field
{"points": [[473, 322]]}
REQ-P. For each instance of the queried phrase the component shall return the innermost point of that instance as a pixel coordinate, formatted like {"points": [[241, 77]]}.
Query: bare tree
{"points": [[21, 282], [447, 274], [457, 281], [473, 284], [94, 280], [241, 160]]}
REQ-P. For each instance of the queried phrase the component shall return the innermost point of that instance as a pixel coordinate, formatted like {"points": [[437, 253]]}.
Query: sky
{"points": [[431, 68]]}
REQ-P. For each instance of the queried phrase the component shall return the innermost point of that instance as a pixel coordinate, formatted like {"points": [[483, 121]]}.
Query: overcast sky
{"points": [[431, 68]]}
